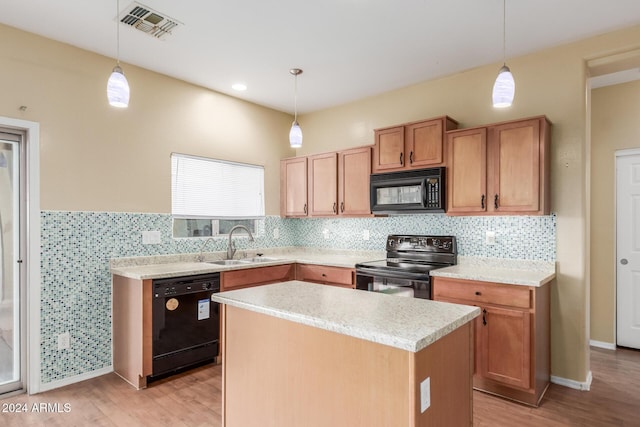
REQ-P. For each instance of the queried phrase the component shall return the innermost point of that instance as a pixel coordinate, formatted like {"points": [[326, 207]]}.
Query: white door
{"points": [[628, 248], [12, 286]]}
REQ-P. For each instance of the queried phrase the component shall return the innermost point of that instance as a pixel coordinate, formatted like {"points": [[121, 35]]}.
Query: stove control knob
{"points": [[391, 242]]}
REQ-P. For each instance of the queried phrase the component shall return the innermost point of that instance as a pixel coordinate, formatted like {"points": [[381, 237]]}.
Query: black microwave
{"points": [[415, 191]]}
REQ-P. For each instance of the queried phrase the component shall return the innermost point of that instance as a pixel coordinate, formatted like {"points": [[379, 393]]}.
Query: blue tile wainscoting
{"points": [[77, 246]]}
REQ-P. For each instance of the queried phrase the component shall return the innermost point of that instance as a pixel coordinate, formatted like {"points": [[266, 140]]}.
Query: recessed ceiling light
{"points": [[239, 86]]}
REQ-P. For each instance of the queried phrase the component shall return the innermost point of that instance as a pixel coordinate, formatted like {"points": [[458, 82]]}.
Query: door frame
{"points": [[31, 377], [618, 154]]}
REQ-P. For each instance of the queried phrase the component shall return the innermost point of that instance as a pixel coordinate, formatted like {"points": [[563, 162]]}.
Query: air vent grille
{"points": [[149, 21]]}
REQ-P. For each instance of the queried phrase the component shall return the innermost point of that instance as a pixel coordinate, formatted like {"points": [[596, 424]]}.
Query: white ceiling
{"points": [[348, 49]]}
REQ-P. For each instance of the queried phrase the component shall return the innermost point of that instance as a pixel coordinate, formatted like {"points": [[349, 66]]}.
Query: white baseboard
{"points": [[75, 379], [584, 386], [602, 344]]}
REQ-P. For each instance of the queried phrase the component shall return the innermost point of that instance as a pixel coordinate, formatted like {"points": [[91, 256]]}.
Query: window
{"points": [[209, 196]]}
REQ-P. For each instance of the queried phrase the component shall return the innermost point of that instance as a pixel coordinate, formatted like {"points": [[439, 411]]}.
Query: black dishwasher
{"points": [[185, 322]]}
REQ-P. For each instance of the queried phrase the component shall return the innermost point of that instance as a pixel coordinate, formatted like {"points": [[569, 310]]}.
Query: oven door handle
{"points": [[363, 271]]}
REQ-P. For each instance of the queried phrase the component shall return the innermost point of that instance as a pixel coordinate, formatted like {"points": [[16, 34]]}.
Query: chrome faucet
{"points": [[231, 250], [201, 256]]}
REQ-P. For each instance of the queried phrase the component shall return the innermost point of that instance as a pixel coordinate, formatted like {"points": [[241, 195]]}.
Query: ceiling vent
{"points": [[149, 21]]}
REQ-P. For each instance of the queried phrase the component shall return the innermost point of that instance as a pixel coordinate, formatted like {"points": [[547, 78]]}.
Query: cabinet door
{"points": [[467, 171], [514, 159], [389, 149], [505, 346], [424, 145], [323, 184], [354, 169], [293, 187]]}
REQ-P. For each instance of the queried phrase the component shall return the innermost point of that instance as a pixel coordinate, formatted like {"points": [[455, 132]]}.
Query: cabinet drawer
{"points": [[324, 274], [482, 292], [256, 276]]}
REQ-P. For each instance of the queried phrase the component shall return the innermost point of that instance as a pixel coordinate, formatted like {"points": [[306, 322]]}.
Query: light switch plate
{"points": [[425, 394], [150, 237], [490, 238], [365, 235]]}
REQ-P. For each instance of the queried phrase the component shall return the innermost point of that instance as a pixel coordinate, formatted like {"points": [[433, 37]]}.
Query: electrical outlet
{"points": [[490, 238], [425, 394], [64, 341], [276, 233], [365, 234], [325, 233], [150, 237]]}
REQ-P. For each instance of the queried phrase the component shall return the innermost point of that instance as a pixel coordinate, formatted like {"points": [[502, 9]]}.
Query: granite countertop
{"points": [[162, 266], [512, 272], [409, 324]]}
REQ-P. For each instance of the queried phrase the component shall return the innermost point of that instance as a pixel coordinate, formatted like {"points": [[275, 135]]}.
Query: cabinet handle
{"points": [[495, 202], [401, 155], [334, 207], [341, 206], [484, 317], [305, 208], [411, 157], [324, 275], [482, 202], [478, 293]]}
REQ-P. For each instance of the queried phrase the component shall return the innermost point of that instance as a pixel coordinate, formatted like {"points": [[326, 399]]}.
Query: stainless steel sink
{"points": [[257, 259], [226, 262]]}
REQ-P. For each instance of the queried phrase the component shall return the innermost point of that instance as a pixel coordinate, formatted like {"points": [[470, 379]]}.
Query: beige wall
{"points": [[615, 112], [98, 158], [551, 82]]}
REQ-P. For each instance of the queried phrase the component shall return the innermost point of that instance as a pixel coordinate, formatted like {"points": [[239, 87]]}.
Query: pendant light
{"points": [[117, 86], [295, 134], [505, 87]]}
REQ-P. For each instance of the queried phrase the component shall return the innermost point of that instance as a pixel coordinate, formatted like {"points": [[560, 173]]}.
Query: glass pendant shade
{"points": [[504, 88], [118, 89], [295, 135]]}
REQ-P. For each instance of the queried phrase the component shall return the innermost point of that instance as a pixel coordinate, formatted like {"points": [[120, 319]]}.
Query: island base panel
{"points": [[281, 373]]}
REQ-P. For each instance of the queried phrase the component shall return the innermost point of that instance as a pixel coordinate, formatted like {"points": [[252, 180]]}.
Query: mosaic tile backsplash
{"points": [[77, 246]]}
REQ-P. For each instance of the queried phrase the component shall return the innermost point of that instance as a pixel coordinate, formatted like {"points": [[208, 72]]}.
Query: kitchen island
{"points": [[297, 353]]}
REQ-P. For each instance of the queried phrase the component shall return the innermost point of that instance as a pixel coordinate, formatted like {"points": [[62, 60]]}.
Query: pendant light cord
{"points": [[118, 32], [504, 32], [295, 98]]}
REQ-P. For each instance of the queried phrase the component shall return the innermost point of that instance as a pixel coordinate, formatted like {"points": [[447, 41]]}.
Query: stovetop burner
{"points": [[414, 255]]}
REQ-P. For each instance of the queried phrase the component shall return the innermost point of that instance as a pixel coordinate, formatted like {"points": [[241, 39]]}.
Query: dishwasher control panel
{"points": [[186, 285]]}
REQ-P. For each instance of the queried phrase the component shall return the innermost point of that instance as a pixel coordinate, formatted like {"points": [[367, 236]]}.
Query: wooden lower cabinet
{"points": [[132, 330], [244, 278], [335, 276], [512, 350], [279, 373]]}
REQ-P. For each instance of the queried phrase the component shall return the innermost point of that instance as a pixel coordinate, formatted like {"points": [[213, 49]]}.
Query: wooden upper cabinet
{"points": [[518, 157], [412, 145], [467, 171], [508, 173], [323, 184], [329, 184], [354, 169], [389, 149], [293, 187]]}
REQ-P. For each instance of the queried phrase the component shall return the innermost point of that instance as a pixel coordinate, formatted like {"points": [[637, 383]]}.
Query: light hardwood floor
{"points": [[194, 399]]}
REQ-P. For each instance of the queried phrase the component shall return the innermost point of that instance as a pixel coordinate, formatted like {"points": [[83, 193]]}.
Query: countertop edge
{"points": [[380, 338], [507, 277]]}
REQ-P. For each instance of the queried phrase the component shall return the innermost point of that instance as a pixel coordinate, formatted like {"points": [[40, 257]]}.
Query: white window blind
{"points": [[210, 188]]}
